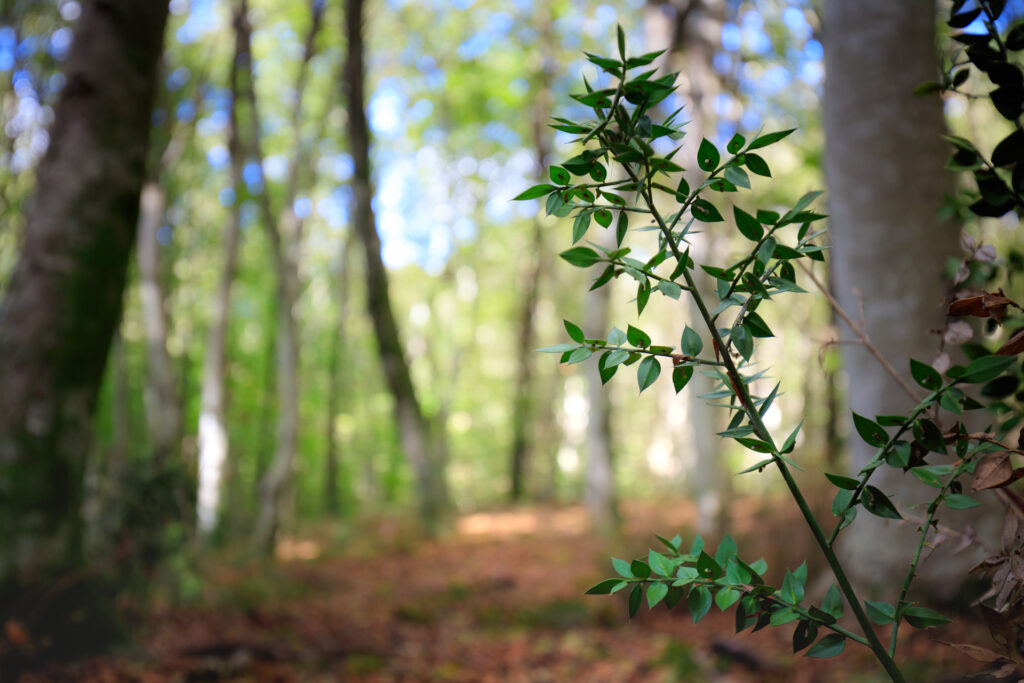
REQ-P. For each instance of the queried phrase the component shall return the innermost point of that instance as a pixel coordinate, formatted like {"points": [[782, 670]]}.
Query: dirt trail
{"points": [[500, 600]]}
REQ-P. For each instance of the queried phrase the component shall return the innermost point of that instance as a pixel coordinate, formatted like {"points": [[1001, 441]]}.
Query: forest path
{"points": [[499, 600]]}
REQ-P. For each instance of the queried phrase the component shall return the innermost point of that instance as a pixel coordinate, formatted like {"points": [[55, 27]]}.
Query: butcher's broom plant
{"points": [[620, 182]]}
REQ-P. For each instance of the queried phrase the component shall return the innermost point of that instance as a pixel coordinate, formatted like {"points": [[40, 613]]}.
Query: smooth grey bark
{"points": [[523, 408], [65, 298], [213, 444], [163, 405], [599, 481], [284, 231], [690, 30], [884, 163], [421, 447]]}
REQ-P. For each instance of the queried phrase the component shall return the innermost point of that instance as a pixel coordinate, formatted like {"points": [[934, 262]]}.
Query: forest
{"points": [[468, 340]]}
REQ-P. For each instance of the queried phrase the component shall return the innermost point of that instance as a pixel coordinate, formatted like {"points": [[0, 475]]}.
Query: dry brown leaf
{"points": [[988, 305], [17, 634], [975, 652], [992, 471], [1013, 345]]}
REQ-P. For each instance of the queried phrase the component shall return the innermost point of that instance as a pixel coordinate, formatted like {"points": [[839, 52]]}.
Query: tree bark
{"points": [[689, 30], [163, 407], [64, 300], [212, 431], [884, 164], [418, 443], [285, 238], [339, 347]]}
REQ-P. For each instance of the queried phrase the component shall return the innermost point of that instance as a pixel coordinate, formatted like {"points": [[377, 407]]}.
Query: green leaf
{"points": [[579, 355], [605, 587], [580, 226], [757, 165], [637, 337], [986, 368], [699, 602], [534, 192], [881, 613], [726, 550], [748, 226], [616, 357], [783, 616], [829, 646], [743, 341], [842, 482], [581, 257], [877, 503], [790, 442], [707, 567], [575, 333], [871, 432], [792, 589], [958, 501], [727, 597], [922, 617], [603, 217], [670, 289], [659, 564], [737, 176], [616, 337], [622, 567], [707, 156], [656, 592], [925, 375], [757, 326], [769, 139], [621, 227], [635, 598], [559, 348], [833, 602], [805, 633], [766, 250], [705, 211], [648, 372], [759, 466], [735, 144], [681, 376], [683, 190], [691, 344], [559, 175], [640, 569]]}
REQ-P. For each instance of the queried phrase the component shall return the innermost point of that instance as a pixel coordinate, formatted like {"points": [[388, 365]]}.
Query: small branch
{"points": [[862, 335]]}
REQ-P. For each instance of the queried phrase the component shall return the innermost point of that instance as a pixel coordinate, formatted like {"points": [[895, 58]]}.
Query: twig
{"points": [[862, 335]]}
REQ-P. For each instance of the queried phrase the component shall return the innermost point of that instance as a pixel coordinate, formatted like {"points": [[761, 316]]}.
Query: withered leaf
{"points": [[988, 305], [1013, 534], [992, 471], [975, 652], [1013, 345]]}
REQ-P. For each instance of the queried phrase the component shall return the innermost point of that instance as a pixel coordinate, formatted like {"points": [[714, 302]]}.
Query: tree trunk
{"points": [[599, 488], [285, 238], [690, 30], [884, 164], [163, 407], [523, 402], [339, 346], [64, 300], [418, 443], [212, 431]]}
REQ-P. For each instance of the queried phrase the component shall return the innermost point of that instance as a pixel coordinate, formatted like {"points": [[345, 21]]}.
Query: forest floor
{"points": [[501, 599]]}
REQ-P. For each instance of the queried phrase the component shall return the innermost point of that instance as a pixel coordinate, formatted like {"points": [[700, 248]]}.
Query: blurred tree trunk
{"points": [[884, 164], [691, 31], [212, 430], [163, 407], [338, 363], [533, 270], [419, 442], [599, 488], [285, 236], [64, 301]]}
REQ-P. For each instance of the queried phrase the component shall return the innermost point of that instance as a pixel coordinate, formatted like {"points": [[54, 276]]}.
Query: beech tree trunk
{"points": [[64, 300], [284, 231], [523, 402], [421, 447], [212, 432], [884, 162], [690, 31]]}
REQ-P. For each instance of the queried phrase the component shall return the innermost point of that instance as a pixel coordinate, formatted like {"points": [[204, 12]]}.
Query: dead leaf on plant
{"points": [[1013, 345], [993, 471], [988, 305]]}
